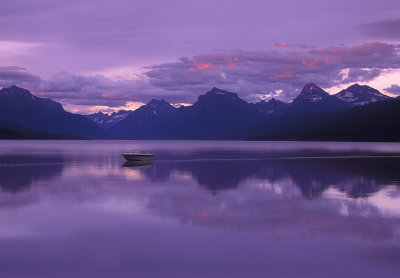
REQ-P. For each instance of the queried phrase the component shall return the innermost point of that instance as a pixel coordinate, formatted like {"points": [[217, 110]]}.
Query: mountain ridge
{"points": [[106, 121], [361, 94], [217, 114], [19, 106]]}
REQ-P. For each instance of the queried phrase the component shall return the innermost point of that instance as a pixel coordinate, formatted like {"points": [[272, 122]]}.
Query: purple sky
{"points": [[96, 54]]}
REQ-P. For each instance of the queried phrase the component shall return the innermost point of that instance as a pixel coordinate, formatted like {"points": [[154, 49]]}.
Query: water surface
{"points": [[203, 209]]}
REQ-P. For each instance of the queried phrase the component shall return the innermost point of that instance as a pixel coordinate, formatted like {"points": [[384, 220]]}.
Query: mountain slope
{"points": [[106, 121], [312, 98], [217, 114], [19, 106], [272, 107], [15, 131], [360, 95], [138, 123], [378, 121]]}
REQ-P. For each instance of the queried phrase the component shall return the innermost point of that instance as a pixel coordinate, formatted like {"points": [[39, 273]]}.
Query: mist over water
{"points": [[203, 209]]}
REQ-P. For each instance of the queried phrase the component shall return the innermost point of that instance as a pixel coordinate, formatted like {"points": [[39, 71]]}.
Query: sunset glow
{"points": [[138, 69], [199, 139]]}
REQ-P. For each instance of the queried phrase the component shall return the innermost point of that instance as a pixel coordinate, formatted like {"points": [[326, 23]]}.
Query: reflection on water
{"points": [[18, 172], [357, 177], [203, 209], [137, 163]]}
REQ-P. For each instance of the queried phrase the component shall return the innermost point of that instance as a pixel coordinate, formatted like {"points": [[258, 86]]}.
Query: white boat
{"points": [[138, 156]]}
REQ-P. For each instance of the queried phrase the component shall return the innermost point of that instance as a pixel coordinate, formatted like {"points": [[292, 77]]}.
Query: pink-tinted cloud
{"points": [[283, 76], [303, 46], [282, 45], [308, 63], [278, 73], [279, 45], [208, 66], [269, 71]]}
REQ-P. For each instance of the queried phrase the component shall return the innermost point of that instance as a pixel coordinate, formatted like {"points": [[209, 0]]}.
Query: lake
{"points": [[203, 209]]}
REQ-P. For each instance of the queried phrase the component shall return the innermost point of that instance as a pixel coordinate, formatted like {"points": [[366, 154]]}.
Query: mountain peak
{"points": [[14, 89], [360, 94], [311, 93], [275, 101], [310, 86], [272, 101], [156, 106], [121, 112], [158, 102], [273, 106], [100, 113], [215, 91], [19, 106], [218, 99]]}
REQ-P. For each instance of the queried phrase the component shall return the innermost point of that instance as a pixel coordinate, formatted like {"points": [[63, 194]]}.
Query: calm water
{"points": [[204, 209]]}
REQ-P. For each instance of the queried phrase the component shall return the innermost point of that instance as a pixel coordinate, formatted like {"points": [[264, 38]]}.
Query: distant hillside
{"points": [[378, 121], [14, 131], [105, 121]]}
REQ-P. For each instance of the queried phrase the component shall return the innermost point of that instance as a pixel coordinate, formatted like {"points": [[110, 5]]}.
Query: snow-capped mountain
{"points": [[313, 98], [361, 94], [105, 121], [311, 93]]}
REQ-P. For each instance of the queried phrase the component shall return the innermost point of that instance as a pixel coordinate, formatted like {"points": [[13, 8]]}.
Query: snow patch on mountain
{"points": [[361, 95]]}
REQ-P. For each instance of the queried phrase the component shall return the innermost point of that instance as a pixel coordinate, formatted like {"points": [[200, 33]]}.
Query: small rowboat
{"points": [[138, 156]]}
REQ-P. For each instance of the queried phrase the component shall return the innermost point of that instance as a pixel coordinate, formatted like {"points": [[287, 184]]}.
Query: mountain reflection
{"points": [[357, 177], [18, 172], [271, 195], [298, 194], [279, 216]]}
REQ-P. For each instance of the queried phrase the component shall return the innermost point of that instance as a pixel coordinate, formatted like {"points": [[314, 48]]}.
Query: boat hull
{"points": [[138, 157]]}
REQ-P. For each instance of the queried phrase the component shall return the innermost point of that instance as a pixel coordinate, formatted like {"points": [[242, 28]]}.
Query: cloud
{"points": [[77, 36], [95, 90], [394, 89], [278, 45], [253, 74], [364, 75], [272, 72], [386, 29], [17, 75]]}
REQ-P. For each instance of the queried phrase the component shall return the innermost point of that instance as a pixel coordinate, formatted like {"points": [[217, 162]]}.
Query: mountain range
{"points": [[105, 121], [20, 108], [358, 113]]}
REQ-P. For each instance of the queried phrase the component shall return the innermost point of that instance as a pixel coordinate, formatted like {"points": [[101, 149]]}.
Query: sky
{"points": [[109, 55]]}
